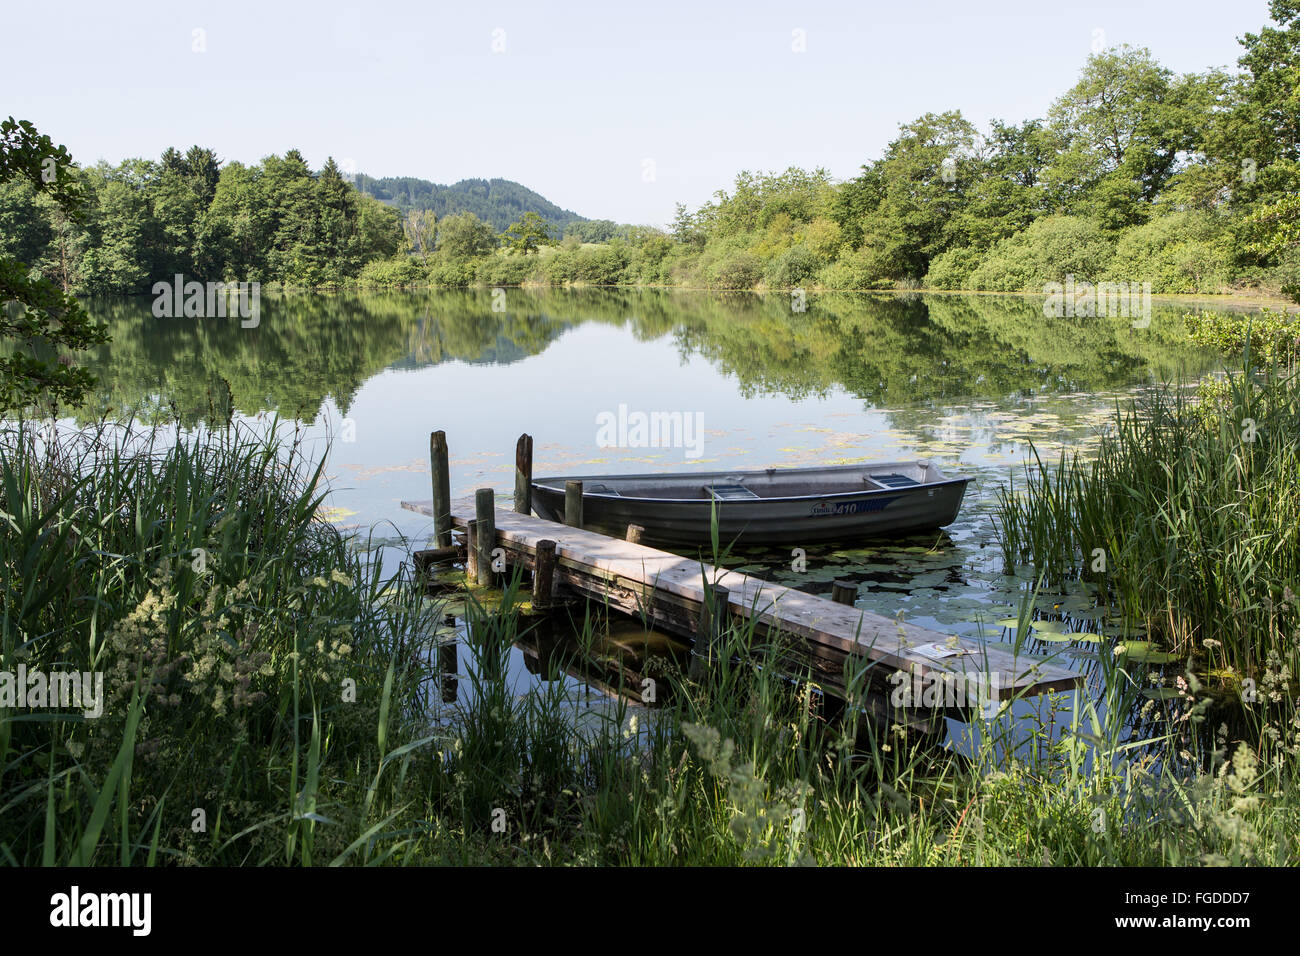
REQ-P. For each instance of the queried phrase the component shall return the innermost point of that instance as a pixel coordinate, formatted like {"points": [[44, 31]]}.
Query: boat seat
{"points": [[893, 481], [602, 490], [729, 492]]}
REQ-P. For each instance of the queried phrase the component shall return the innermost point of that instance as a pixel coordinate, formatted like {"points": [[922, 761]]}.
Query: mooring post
{"points": [[524, 474], [441, 489], [634, 533], [425, 560], [844, 592], [544, 575], [714, 613], [573, 504], [471, 551], [447, 663], [485, 509]]}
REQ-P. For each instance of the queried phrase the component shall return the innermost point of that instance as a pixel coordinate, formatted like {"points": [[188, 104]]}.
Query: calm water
{"points": [[963, 380]]}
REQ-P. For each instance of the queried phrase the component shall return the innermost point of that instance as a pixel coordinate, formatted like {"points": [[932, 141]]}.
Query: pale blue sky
{"points": [[584, 93]]}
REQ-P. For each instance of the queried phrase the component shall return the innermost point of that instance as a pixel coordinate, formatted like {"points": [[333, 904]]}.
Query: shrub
{"points": [[506, 269], [863, 268], [952, 269], [451, 273], [796, 267], [1049, 250], [740, 270], [398, 271], [1178, 252], [603, 265]]}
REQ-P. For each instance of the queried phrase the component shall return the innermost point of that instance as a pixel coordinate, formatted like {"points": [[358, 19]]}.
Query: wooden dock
{"points": [[832, 639]]}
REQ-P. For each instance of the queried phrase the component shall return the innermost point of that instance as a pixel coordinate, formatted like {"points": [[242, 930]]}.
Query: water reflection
{"points": [[312, 349]]}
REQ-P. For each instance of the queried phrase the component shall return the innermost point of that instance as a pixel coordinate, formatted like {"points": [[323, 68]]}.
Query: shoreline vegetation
{"points": [[1243, 298]]}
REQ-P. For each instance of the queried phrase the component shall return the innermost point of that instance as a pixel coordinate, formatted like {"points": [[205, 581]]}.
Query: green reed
{"points": [[1187, 519], [226, 617]]}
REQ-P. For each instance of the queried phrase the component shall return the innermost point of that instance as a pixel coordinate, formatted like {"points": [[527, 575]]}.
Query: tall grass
{"points": [[1187, 521], [226, 617]]}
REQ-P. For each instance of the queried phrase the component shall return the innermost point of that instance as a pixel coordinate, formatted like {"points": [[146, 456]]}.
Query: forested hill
{"points": [[498, 202]]}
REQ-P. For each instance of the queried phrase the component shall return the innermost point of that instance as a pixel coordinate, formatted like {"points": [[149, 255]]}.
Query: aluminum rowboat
{"points": [[775, 506]]}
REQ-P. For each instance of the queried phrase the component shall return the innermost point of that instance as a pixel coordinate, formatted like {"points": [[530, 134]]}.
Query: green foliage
{"points": [[1272, 335], [40, 323], [911, 194], [224, 614], [595, 230], [738, 270], [1262, 122], [1118, 134], [399, 272], [1178, 252], [952, 269], [1193, 505], [147, 221], [1049, 250], [529, 234], [465, 236], [796, 267]]}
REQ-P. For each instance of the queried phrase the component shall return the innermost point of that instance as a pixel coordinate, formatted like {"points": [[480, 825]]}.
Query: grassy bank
{"points": [[228, 620]]}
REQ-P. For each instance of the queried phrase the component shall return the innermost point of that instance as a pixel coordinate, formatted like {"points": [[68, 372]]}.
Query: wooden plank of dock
{"points": [[672, 590]]}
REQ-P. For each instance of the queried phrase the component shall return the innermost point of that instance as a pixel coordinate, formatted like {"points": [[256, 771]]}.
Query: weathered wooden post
{"points": [[524, 475], [544, 575], [573, 504], [447, 663], [425, 560], [441, 489], [714, 613], [471, 551], [485, 510], [634, 533], [844, 592]]}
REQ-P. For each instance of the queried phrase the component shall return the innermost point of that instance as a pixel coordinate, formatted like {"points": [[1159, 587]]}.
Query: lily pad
{"points": [[1049, 627], [1144, 652], [1162, 693], [1051, 637]]}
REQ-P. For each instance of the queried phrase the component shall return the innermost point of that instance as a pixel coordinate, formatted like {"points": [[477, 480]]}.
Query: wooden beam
{"points": [[524, 475], [441, 489], [573, 504], [544, 575], [844, 592], [485, 513]]}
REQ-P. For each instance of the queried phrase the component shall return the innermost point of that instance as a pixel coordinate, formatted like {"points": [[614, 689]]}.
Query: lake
{"points": [[966, 381]]}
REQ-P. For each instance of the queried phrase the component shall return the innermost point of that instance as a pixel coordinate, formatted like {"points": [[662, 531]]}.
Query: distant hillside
{"points": [[499, 202]]}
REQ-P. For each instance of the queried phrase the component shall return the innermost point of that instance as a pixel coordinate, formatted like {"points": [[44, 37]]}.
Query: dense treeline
{"points": [[277, 221], [1136, 175]]}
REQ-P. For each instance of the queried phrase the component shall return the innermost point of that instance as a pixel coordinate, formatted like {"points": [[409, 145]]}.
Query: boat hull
{"points": [[792, 520]]}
